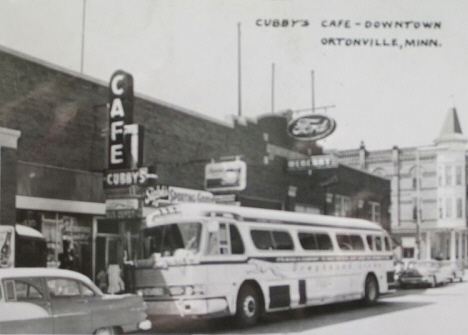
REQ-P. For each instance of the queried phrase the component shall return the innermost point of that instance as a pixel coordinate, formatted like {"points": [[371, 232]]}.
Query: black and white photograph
{"points": [[233, 167]]}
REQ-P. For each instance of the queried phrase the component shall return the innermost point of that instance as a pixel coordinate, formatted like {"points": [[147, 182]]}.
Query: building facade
{"points": [[54, 147], [428, 192]]}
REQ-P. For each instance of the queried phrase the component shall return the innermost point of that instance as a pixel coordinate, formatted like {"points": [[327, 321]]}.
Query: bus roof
{"points": [[257, 214]]}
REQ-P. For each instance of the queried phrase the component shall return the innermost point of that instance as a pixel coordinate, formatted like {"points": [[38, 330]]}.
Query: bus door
{"points": [[225, 258]]}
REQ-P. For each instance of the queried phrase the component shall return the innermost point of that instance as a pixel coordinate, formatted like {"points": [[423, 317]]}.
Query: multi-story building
{"points": [[428, 191]]}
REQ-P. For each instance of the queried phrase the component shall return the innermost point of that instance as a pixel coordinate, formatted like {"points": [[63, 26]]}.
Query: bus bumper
{"points": [[188, 307]]}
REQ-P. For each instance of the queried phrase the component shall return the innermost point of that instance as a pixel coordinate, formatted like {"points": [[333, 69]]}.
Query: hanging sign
{"points": [[313, 162], [125, 138], [125, 178], [311, 127], [226, 176], [127, 208], [175, 195]]}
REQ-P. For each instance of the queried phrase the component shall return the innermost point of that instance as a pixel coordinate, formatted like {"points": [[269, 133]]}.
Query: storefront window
{"points": [[448, 207], [459, 207], [342, 205], [441, 208], [440, 175], [68, 238], [458, 175], [374, 211], [448, 175]]}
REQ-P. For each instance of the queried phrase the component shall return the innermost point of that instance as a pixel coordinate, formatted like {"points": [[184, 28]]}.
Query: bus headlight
{"points": [[151, 292], [198, 289], [176, 290], [187, 290]]}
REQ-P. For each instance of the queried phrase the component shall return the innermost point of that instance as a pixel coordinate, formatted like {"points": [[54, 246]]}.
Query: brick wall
{"points": [[62, 118]]}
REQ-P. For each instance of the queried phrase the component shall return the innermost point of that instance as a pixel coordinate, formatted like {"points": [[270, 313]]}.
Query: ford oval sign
{"points": [[311, 127]]}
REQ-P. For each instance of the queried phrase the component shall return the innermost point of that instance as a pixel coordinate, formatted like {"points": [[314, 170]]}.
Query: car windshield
{"points": [[166, 239]]}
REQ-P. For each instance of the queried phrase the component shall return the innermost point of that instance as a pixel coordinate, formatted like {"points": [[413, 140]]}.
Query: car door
{"points": [[104, 313], [24, 308], [70, 308]]}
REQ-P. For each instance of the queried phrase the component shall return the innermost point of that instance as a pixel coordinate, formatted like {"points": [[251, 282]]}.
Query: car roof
{"points": [[41, 272]]}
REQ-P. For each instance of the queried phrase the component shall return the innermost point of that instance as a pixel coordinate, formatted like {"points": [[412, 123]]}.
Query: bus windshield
{"points": [[166, 239]]}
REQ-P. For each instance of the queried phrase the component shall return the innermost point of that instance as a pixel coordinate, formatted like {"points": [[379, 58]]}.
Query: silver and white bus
{"points": [[206, 260]]}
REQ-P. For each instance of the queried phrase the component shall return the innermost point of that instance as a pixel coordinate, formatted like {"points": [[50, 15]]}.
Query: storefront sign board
{"points": [[172, 194], [314, 162], [226, 176], [125, 178], [311, 127]]}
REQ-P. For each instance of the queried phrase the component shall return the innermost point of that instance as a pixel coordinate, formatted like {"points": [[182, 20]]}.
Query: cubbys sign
{"points": [[311, 127]]}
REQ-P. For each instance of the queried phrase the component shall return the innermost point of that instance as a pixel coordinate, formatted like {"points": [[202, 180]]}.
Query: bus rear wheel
{"points": [[371, 290], [248, 306]]}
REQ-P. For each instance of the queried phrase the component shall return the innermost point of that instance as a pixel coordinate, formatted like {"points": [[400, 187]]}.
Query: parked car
{"points": [[55, 301], [398, 268], [424, 272], [456, 270]]}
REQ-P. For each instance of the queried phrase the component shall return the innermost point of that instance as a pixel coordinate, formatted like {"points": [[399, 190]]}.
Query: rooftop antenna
{"points": [[239, 69], [313, 90], [83, 36]]}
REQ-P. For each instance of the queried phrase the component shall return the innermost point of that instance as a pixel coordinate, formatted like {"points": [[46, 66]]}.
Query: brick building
{"points": [[54, 152]]}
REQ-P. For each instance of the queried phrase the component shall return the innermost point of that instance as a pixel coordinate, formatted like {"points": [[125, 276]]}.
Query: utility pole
{"points": [[418, 204], [83, 36], [239, 64], [313, 91]]}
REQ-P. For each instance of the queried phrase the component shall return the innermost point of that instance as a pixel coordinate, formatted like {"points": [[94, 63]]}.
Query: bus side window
{"points": [[357, 242], [344, 242], [387, 244], [308, 241], [237, 246], [283, 240], [378, 243], [262, 239], [370, 242], [324, 242]]}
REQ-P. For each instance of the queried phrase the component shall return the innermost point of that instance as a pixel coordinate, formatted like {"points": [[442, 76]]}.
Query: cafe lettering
{"points": [[120, 115]]}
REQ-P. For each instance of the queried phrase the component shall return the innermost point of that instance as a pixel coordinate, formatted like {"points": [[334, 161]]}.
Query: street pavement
{"points": [[441, 310]]}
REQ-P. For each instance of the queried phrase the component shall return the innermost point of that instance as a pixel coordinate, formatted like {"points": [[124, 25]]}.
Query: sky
{"points": [[186, 53]]}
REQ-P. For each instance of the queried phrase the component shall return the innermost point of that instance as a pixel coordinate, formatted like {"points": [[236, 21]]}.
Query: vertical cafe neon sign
{"points": [[125, 147]]}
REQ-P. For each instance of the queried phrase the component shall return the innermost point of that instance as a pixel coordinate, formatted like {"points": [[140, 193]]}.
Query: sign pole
{"points": [[313, 91]]}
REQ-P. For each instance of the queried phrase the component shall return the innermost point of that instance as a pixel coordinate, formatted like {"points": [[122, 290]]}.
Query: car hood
{"points": [[418, 272]]}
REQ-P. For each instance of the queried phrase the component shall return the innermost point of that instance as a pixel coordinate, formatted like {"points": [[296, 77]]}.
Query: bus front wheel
{"points": [[248, 306], [371, 290]]}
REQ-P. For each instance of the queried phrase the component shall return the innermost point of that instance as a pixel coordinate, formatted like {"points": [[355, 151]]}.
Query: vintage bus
{"points": [[207, 260]]}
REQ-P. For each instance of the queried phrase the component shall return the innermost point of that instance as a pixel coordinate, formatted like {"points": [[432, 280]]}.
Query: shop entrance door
{"points": [[107, 252]]}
